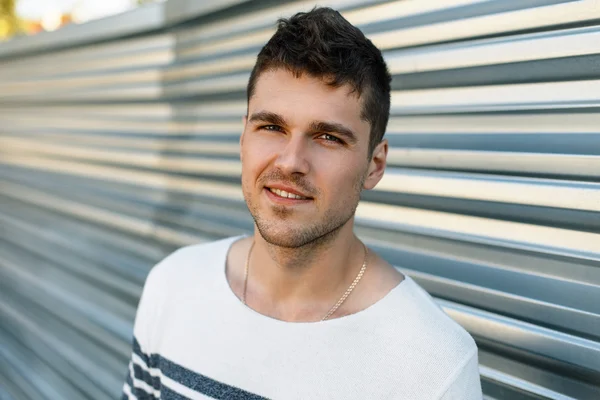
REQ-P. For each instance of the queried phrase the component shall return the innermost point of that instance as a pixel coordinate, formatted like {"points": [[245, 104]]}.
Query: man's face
{"points": [[304, 154]]}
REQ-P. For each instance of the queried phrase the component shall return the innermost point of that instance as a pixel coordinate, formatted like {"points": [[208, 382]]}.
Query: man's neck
{"points": [[298, 281]]}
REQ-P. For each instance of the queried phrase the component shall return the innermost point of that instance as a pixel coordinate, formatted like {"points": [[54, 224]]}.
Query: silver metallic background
{"points": [[119, 143]]}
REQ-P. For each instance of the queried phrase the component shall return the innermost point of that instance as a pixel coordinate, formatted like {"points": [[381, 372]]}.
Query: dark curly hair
{"points": [[324, 44]]}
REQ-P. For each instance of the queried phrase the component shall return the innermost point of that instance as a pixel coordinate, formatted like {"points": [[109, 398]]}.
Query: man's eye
{"points": [[330, 138], [271, 127]]}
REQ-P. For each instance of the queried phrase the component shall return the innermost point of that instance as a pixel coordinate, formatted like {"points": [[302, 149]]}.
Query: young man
{"points": [[302, 309]]}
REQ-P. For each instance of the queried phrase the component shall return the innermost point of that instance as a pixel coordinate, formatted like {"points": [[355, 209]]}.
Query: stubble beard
{"points": [[305, 233]]}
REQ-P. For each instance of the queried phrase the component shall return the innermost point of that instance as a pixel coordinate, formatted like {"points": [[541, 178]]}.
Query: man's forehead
{"points": [[280, 79], [283, 93]]}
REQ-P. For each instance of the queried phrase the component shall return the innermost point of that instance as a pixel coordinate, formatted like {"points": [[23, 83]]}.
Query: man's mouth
{"points": [[287, 195]]}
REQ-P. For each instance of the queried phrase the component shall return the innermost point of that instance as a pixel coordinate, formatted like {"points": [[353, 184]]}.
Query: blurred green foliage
{"points": [[8, 19]]}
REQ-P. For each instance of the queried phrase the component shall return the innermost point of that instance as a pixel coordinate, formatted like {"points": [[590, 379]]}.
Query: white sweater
{"points": [[193, 338]]}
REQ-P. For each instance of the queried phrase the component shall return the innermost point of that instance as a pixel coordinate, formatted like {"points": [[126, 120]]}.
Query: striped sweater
{"points": [[194, 339]]}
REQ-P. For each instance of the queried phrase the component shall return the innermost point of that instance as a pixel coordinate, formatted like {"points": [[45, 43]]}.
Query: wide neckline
{"points": [[248, 312]]}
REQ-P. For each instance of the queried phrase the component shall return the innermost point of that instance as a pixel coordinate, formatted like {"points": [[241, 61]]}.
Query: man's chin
{"points": [[283, 238], [295, 235]]}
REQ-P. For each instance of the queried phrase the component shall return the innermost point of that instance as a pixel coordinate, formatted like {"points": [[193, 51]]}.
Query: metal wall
{"points": [[119, 143]]}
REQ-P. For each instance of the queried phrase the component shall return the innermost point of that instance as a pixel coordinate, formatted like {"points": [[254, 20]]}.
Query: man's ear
{"points": [[377, 165]]}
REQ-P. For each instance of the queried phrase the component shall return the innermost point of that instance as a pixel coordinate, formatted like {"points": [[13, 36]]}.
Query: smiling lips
{"points": [[287, 195]]}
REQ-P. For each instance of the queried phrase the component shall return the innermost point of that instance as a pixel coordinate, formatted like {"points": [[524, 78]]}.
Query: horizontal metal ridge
{"points": [[525, 336], [486, 187], [481, 230], [143, 19], [542, 17], [497, 161], [518, 48], [497, 96]]}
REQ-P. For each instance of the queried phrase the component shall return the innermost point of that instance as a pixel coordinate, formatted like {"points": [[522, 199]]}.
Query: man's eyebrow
{"points": [[268, 117], [334, 127]]}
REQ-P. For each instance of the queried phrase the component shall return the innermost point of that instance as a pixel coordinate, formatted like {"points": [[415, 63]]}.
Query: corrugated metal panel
{"points": [[114, 153]]}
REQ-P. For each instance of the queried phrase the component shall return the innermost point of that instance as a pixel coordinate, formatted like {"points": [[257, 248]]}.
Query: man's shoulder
{"points": [[189, 262], [423, 344], [427, 326]]}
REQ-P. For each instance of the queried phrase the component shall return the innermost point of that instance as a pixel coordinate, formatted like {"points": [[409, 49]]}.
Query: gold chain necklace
{"points": [[340, 301]]}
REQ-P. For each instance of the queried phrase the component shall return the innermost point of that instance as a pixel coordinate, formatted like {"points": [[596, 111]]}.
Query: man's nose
{"points": [[293, 157]]}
